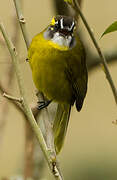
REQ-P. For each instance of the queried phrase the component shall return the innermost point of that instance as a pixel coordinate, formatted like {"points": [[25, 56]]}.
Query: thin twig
{"points": [[76, 7], [50, 160], [22, 22], [14, 103], [18, 105], [12, 98]]}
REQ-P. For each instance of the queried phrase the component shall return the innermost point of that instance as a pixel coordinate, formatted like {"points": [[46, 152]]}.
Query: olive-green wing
{"points": [[78, 81]]}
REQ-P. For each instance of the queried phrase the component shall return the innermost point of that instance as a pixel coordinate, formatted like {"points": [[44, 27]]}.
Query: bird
{"points": [[58, 62]]}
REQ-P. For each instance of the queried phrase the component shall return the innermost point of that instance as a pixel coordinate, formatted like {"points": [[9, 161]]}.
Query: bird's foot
{"points": [[43, 104]]}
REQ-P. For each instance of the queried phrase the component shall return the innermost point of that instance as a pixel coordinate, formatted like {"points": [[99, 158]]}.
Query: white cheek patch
{"points": [[70, 28], [61, 41], [61, 22]]}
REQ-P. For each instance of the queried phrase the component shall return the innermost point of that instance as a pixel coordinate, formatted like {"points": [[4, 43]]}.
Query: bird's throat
{"points": [[62, 40]]}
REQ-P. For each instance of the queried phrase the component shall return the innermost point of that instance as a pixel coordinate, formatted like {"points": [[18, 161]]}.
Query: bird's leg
{"points": [[43, 104]]}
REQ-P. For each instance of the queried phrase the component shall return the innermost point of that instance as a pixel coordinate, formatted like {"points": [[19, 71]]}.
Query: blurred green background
{"points": [[90, 149]]}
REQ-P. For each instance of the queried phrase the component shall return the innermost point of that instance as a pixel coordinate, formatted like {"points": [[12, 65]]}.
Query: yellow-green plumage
{"points": [[49, 64], [60, 73]]}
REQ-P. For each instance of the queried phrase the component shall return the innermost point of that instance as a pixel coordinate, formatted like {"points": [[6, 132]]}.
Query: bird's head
{"points": [[61, 30]]}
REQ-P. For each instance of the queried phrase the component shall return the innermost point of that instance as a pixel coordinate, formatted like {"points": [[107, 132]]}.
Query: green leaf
{"points": [[111, 28]]}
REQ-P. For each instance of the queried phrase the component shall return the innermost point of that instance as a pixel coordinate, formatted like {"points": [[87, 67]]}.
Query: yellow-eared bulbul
{"points": [[58, 62]]}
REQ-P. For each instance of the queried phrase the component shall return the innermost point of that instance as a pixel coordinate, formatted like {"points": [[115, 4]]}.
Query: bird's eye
{"points": [[51, 28], [54, 28]]}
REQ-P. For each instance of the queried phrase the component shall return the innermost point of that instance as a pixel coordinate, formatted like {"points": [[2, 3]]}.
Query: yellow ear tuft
{"points": [[53, 21]]}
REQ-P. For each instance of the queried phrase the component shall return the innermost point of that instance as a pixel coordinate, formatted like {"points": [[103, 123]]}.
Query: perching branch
{"points": [[76, 7], [16, 104], [50, 159]]}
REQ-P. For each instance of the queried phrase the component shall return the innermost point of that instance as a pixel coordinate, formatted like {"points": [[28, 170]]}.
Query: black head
{"points": [[63, 24], [61, 31]]}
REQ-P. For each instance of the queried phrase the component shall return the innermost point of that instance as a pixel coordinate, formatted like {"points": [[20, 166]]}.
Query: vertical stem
{"points": [[22, 22]]}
